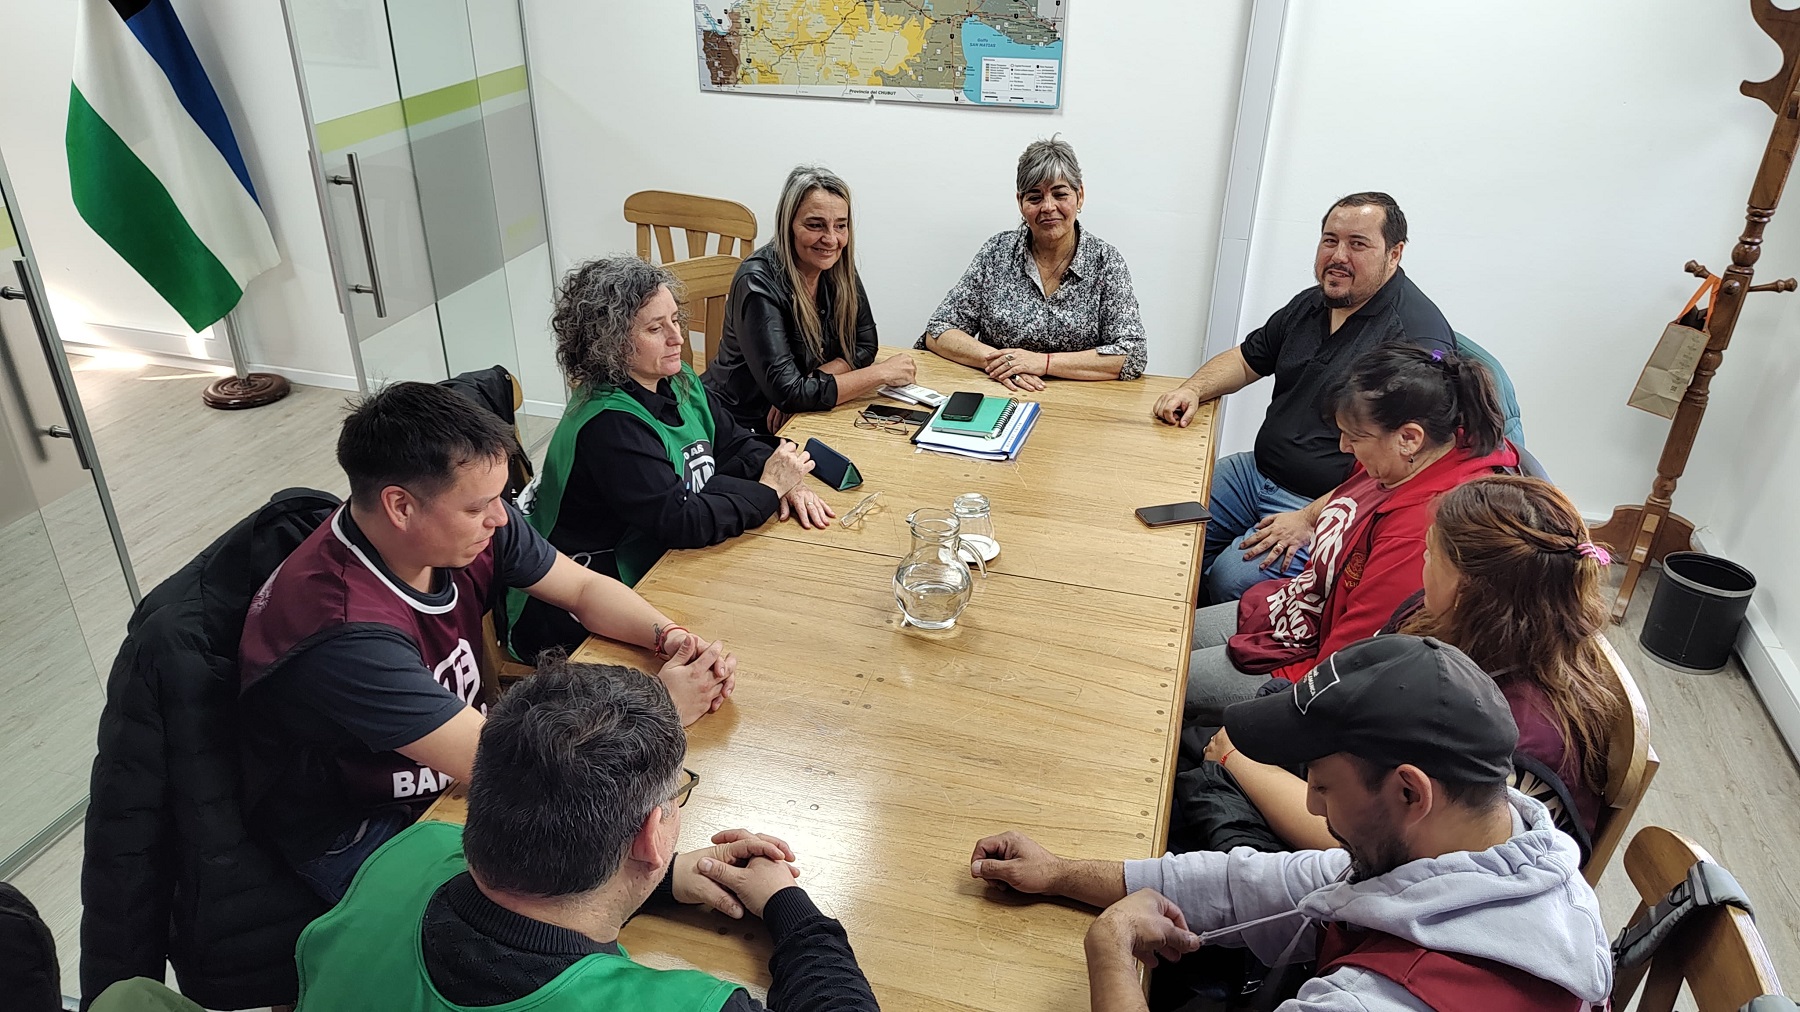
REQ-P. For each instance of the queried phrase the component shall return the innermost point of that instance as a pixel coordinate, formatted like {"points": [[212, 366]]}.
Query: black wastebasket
{"points": [[1694, 617]]}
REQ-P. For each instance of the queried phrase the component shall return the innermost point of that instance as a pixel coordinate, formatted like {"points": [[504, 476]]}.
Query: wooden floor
{"points": [[1726, 780]]}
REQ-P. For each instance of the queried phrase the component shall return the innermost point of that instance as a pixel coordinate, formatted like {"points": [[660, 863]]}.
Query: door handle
{"points": [[17, 383], [354, 182], [24, 293]]}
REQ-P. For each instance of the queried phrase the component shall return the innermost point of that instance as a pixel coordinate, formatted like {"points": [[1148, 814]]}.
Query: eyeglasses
{"points": [[682, 792], [869, 504], [883, 423]]}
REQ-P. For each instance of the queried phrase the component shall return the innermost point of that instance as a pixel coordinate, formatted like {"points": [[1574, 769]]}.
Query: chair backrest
{"points": [[1509, 399], [658, 211], [706, 281], [1717, 953], [1630, 766]]}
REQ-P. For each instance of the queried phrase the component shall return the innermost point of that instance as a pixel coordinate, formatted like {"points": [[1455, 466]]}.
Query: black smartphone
{"points": [[1173, 513], [912, 415], [962, 406]]}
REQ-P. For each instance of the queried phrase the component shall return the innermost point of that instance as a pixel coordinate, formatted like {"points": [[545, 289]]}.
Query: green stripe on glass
{"points": [[340, 133], [344, 131], [8, 238], [124, 202]]}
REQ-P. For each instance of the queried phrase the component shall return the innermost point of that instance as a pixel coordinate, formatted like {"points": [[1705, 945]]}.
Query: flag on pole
{"points": [[153, 165]]}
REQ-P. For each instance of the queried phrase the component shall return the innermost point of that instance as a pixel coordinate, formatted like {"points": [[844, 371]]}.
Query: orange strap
{"points": [[1709, 285]]}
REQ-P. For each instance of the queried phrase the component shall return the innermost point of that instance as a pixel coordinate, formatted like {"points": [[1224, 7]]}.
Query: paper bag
{"points": [[1671, 367]]}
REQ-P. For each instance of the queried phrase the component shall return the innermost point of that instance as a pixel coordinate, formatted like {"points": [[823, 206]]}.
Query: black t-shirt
{"points": [[478, 953], [366, 690], [1297, 446]]}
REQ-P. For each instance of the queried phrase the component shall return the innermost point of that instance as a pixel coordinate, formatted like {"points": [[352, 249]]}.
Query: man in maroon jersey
{"points": [[359, 655]]}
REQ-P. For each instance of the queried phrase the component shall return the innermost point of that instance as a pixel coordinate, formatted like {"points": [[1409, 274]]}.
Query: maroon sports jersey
{"points": [[331, 586]]}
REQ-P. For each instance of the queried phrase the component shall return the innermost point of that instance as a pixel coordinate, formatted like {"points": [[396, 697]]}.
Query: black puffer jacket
{"points": [[170, 870]]}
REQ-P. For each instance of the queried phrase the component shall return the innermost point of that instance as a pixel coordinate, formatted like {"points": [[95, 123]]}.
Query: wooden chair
{"points": [[498, 669], [659, 211], [1719, 954], [1630, 766], [706, 282]]}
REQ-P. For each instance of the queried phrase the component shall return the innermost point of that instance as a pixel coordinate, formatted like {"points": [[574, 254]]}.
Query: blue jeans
{"points": [[331, 873], [1240, 497]]}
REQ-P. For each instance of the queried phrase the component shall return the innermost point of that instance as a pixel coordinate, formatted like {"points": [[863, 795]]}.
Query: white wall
{"points": [[1558, 164], [621, 110], [290, 315]]}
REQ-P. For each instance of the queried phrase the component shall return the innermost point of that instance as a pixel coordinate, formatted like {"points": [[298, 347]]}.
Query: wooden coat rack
{"points": [[1648, 532]]}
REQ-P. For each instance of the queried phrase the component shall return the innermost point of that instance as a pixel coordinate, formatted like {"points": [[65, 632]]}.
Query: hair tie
{"points": [[1437, 354], [1589, 550]]}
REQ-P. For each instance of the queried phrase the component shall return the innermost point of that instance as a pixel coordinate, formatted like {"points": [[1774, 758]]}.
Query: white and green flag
{"points": [[153, 164]]}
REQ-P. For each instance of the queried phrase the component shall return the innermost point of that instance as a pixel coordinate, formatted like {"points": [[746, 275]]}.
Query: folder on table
{"points": [[988, 420], [1004, 444]]}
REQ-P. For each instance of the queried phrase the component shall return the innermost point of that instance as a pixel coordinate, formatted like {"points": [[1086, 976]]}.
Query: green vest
{"points": [[635, 553], [365, 953]]}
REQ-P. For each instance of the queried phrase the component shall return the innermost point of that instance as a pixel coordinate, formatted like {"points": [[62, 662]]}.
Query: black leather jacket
{"points": [[762, 360]]}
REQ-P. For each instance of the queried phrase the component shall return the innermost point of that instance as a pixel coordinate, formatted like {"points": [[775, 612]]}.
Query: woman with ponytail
{"points": [[1419, 424], [1511, 579]]}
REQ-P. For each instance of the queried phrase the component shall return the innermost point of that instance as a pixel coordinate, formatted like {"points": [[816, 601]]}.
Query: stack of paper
{"points": [[1003, 445]]}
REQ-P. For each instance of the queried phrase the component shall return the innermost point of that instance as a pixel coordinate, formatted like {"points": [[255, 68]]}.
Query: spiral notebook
{"points": [[1002, 445], [989, 419]]}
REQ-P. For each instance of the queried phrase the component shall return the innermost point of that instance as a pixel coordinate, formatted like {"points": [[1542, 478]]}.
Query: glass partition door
{"points": [[422, 123], [66, 589]]}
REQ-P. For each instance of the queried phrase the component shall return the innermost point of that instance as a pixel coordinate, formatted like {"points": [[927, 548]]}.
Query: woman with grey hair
{"points": [[799, 335], [1047, 298], [644, 459]]}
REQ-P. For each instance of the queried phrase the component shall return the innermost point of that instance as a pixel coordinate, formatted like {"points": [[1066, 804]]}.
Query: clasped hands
{"points": [[700, 676], [736, 875], [1017, 369]]}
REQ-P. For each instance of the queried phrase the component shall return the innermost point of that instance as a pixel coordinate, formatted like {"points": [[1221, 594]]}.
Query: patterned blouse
{"points": [[1000, 301]]}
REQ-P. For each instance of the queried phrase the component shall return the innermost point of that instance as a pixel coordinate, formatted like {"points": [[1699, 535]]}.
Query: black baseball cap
{"points": [[1390, 700]]}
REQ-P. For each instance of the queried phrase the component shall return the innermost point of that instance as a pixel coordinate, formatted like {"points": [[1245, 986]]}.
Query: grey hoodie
{"points": [[1522, 903]]}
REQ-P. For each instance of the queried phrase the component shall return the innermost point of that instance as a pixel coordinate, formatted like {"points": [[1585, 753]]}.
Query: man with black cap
{"points": [[1451, 892]]}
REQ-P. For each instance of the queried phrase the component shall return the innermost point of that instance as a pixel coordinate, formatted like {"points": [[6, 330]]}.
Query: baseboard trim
{"points": [[305, 377], [542, 409], [1771, 667]]}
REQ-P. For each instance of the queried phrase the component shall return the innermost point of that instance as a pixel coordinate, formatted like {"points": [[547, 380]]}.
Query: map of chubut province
{"points": [[976, 52]]}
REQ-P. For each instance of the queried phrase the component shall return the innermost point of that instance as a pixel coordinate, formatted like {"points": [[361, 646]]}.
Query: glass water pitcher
{"points": [[932, 584]]}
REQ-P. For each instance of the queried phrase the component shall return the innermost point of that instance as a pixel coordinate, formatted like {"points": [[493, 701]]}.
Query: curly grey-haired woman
{"points": [[644, 459]]}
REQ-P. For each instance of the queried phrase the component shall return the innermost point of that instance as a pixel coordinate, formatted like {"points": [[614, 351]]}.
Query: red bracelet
{"points": [[1046, 363], [662, 638], [1226, 756]]}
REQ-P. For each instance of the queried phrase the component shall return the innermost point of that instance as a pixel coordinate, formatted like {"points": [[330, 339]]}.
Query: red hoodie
{"points": [[1367, 558]]}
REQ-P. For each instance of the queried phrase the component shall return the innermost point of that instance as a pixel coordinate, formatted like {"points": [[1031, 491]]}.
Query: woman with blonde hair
{"points": [[1513, 580], [799, 335]]}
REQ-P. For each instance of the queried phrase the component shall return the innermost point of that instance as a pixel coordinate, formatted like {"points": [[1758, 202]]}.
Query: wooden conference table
{"points": [[882, 753]]}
